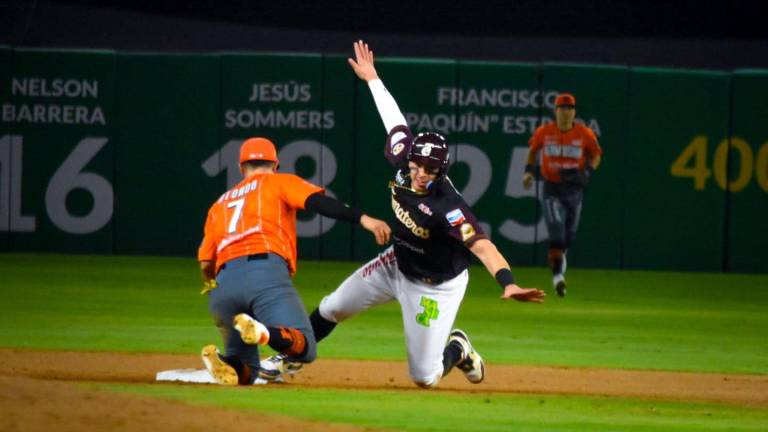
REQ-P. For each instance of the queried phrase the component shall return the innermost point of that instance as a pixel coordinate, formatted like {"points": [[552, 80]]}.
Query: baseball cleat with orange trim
{"points": [[251, 331]]}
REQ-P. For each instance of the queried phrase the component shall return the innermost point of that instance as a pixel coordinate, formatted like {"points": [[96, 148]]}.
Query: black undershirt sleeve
{"points": [[332, 208]]}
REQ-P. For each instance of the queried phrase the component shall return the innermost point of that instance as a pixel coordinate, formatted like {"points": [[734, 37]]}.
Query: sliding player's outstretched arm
{"points": [[496, 265], [363, 67]]}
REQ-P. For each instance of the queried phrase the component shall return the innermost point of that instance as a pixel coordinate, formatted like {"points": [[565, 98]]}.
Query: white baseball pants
{"points": [[428, 310]]}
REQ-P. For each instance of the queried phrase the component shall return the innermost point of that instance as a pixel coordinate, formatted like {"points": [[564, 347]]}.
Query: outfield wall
{"points": [[106, 152]]}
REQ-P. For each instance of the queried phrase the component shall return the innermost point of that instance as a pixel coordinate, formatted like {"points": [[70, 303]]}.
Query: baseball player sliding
{"points": [[425, 269]]}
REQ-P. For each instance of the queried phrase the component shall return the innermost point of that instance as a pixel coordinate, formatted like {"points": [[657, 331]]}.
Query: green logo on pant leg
{"points": [[430, 311]]}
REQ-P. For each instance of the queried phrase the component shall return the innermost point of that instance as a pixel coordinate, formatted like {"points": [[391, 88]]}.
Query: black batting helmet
{"points": [[431, 150]]}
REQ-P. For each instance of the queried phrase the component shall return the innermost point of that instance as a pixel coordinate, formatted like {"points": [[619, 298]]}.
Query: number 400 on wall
{"points": [[692, 163]]}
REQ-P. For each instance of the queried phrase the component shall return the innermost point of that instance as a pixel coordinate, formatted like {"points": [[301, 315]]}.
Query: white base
{"points": [[198, 376]]}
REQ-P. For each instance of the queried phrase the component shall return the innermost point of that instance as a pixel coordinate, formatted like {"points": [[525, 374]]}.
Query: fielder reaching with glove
{"points": [[247, 259], [425, 270], [570, 156]]}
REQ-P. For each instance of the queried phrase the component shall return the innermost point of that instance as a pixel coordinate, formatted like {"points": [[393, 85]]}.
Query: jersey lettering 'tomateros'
{"points": [[563, 150], [256, 216], [431, 231]]}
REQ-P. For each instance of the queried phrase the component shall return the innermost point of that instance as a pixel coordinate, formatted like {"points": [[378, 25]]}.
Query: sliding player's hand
{"points": [[513, 291], [363, 62]]}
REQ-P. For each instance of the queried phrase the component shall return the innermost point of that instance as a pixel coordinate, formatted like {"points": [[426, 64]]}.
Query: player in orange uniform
{"points": [[247, 257], [570, 154]]}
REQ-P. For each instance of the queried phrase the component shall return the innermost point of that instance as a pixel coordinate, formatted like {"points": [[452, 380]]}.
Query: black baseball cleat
{"points": [[560, 286], [471, 363]]}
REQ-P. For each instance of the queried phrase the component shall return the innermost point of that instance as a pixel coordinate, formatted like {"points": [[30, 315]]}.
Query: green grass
{"points": [[632, 320], [637, 320], [438, 410]]}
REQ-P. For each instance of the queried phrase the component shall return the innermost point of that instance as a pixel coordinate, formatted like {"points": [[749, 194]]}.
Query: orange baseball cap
{"points": [[258, 149], [565, 99]]}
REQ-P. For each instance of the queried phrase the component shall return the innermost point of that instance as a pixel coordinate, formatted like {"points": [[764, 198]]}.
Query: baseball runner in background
{"points": [[425, 269], [570, 156], [248, 256]]}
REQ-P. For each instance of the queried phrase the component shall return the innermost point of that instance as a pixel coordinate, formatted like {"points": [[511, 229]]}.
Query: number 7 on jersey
{"points": [[238, 205]]}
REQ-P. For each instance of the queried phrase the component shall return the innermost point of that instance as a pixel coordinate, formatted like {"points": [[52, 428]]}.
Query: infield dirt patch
{"points": [[34, 397]]}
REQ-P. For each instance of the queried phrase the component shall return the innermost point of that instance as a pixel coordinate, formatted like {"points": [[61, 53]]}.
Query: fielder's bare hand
{"points": [[513, 291], [379, 228], [527, 180], [363, 62]]}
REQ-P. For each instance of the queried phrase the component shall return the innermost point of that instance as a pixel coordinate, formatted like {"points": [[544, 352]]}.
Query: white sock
{"points": [[565, 263]]}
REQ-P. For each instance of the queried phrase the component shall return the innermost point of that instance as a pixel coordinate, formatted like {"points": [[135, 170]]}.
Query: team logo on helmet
{"points": [[430, 149]]}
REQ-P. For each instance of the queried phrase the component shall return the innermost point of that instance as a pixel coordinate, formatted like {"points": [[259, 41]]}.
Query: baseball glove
{"points": [[576, 176]]}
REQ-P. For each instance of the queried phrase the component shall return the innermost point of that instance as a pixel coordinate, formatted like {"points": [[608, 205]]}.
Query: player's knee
{"points": [[311, 349], [427, 381], [428, 384], [311, 354], [329, 312]]}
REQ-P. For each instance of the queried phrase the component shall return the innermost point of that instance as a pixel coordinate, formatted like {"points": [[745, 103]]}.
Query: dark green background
{"points": [[748, 209], [5, 129], [166, 128], [46, 146], [667, 223], [166, 117], [337, 95]]}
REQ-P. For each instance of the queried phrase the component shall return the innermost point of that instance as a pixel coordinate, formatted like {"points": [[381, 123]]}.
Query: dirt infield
{"points": [[36, 395]]}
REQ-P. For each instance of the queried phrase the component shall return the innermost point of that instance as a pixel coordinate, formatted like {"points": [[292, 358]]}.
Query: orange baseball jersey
{"points": [[256, 216], [563, 150]]}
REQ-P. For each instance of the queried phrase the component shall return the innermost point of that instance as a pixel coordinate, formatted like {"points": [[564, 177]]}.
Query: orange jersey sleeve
{"points": [[535, 142], [256, 216], [295, 190], [590, 142], [207, 250]]}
